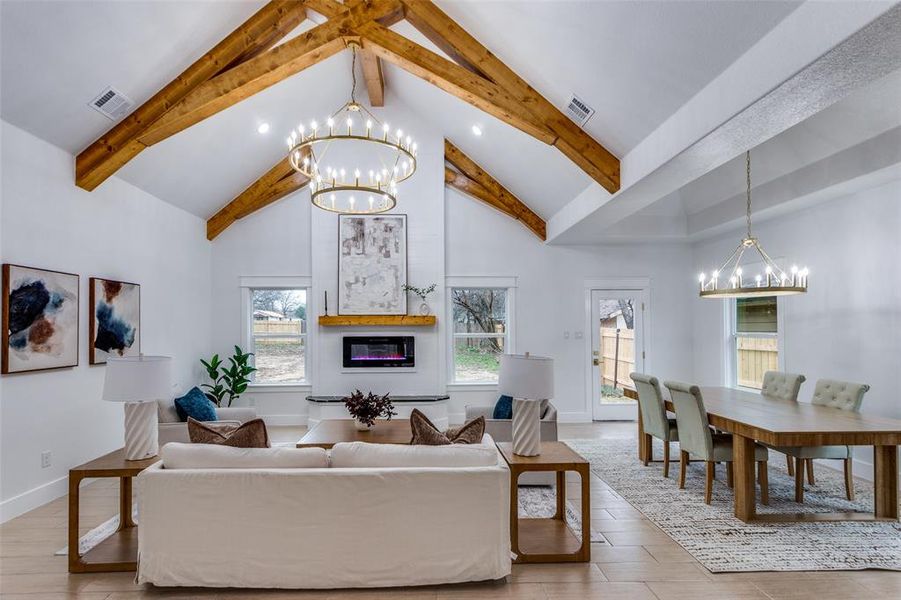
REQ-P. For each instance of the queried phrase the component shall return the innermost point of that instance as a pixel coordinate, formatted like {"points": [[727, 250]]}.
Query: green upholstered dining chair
{"points": [[698, 440], [785, 387], [653, 416], [842, 395]]}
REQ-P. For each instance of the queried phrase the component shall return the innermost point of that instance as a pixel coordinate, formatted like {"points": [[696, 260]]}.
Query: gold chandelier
{"points": [[772, 282], [380, 158]]}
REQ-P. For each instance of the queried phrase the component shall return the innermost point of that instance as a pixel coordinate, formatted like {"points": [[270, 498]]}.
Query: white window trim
{"points": [[731, 354], [274, 282], [508, 283]]}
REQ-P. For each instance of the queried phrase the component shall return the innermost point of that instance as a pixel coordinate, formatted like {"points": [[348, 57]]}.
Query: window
{"points": [[480, 319], [279, 335], [755, 337]]}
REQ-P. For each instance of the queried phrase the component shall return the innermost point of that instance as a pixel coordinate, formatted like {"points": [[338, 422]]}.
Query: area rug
{"points": [[534, 502], [722, 543], [98, 534], [541, 502]]}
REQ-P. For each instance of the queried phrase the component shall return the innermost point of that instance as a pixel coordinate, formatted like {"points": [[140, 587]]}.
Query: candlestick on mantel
{"points": [[326, 303]]}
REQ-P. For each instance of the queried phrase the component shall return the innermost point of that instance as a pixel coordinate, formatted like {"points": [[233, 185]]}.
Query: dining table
{"points": [[751, 418]]}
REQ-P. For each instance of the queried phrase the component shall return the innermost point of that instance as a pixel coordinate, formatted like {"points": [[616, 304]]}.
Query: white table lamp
{"points": [[528, 380], [139, 381]]}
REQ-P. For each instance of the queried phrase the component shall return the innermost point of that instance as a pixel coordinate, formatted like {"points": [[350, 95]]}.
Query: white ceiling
{"points": [[635, 62], [841, 129]]}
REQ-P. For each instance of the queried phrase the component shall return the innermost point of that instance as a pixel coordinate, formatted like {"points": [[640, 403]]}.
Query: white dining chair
{"points": [[782, 386]]}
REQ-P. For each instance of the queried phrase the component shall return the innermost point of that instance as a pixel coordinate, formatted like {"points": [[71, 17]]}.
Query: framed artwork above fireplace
{"points": [[372, 264]]}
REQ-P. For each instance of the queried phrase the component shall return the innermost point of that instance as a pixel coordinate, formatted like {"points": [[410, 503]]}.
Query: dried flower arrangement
{"points": [[366, 409]]}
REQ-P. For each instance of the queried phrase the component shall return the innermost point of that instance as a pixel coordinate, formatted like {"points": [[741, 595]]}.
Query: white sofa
{"points": [[172, 429], [365, 515]]}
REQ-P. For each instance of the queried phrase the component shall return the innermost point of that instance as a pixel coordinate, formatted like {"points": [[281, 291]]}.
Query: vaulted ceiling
{"points": [[636, 63]]}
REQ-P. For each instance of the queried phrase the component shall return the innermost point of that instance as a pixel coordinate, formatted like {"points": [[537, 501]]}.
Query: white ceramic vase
{"points": [[361, 426], [526, 427], [141, 430]]}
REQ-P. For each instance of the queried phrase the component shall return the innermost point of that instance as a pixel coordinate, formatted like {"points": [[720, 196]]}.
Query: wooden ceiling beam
{"points": [[280, 181], [475, 181], [599, 163], [269, 68], [120, 144], [375, 80], [452, 78]]}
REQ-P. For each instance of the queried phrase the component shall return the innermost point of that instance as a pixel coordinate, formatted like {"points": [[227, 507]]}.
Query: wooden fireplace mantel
{"points": [[377, 320]]}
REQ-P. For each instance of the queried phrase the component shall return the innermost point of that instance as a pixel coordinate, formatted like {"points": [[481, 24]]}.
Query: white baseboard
{"points": [[285, 420], [574, 417], [30, 500]]}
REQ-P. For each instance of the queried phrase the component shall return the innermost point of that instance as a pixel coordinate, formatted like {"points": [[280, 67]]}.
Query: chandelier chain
{"points": [[748, 175], [353, 74]]}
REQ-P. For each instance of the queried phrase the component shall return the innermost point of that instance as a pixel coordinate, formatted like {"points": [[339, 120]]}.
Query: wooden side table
{"points": [[548, 540], [118, 552]]}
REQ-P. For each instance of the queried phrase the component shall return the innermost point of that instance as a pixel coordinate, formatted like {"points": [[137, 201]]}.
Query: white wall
{"points": [[289, 238], [848, 325], [550, 297], [117, 231]]}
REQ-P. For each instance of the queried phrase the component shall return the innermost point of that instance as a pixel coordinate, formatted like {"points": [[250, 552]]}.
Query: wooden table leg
{"points": [[885, 481], [585, 550], [125, 509], [743, 467], [74, 484], [514, 510], [561, 496], [642, 441]]}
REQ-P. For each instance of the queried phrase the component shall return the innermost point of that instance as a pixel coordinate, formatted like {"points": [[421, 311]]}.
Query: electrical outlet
{"points": [[45, 459]]}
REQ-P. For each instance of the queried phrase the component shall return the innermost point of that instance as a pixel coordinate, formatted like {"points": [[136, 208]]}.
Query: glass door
{"points": [[617, 349]]}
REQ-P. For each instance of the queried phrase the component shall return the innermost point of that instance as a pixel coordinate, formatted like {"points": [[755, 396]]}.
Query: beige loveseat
{"points": [[362, 515], [172, 429]]}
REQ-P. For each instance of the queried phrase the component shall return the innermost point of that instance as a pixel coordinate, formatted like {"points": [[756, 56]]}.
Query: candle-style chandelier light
{"points": [[379, 158], [730, 280]]}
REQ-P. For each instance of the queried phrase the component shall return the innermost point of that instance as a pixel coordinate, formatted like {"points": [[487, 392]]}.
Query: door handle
{"points": [[596, 362]]}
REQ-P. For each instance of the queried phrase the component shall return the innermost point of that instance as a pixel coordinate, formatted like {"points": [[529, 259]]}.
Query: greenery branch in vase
{"points": [[423, 295], [366, 409], [228, 382]]}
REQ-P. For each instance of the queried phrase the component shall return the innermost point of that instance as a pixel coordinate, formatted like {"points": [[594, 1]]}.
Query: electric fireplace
{"points": [[367, 351]]}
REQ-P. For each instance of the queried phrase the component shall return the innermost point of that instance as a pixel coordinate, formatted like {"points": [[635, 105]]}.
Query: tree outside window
{"points": [[480, 333]]}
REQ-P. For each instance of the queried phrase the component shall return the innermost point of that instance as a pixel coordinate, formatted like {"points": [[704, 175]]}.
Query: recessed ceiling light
{"points": [[263, 128], [476, 130]]}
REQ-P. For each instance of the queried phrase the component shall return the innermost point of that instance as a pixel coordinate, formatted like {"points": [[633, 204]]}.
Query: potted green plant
{"points": [[423, 294], [366, 409], [227, 382]]}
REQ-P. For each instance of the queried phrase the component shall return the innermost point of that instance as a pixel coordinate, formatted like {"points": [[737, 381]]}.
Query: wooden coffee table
{"points": [[118, 552], [329, 432], [548, 540]]}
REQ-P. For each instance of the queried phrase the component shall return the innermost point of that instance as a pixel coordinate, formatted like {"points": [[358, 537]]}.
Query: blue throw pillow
{"points": [[504, 408], [196, 405]]}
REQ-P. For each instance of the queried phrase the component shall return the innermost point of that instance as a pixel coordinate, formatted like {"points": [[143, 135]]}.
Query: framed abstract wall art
{"points": [[115, 322], [372, 264], [40, 319]]}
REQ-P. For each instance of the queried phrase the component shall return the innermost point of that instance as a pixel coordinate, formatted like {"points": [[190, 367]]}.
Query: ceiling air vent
{"points": [[578, 111], [112, 104]]}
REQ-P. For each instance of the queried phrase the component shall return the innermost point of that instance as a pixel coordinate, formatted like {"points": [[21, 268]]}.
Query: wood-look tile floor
{"points": [[640, 563]]}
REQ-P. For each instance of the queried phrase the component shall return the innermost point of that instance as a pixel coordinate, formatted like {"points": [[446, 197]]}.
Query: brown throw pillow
{"points": [[251, 434], [425, 432]]}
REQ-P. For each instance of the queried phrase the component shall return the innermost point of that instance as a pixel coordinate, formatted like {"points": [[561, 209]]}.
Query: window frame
{"points": [[248, 286], [508, 284], [731, 340]]}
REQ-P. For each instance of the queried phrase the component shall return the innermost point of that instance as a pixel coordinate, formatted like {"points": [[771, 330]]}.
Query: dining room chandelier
{"points": [[354, 161], [731, 281]]}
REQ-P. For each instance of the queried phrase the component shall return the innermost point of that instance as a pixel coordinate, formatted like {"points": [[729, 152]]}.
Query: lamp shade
{"points": [[137, 379], [526, 376]]}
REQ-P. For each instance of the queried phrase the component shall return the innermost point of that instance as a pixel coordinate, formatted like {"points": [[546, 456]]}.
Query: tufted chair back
{"points": [[839, 394], [691, 419], [650, 403], [781, 386]]}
